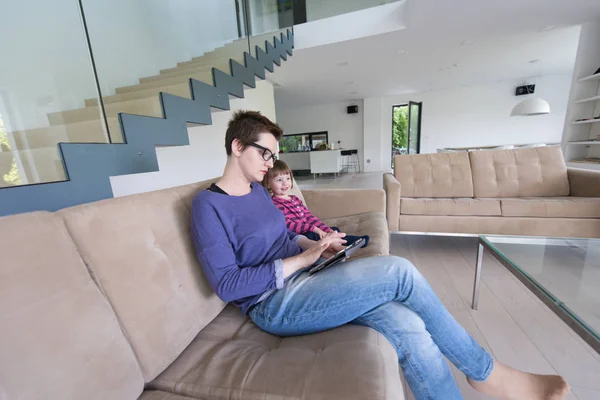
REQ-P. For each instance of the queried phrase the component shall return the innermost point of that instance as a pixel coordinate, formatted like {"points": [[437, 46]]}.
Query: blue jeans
{"points": [[388, 294]]}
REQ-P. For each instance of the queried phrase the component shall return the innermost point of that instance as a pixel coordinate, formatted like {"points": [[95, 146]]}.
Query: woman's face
{"points": [[280, 184], [251, 159]]}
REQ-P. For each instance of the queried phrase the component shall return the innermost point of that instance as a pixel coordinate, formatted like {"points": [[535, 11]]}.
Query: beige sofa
{"points": [[107, 301], [525, 191]]}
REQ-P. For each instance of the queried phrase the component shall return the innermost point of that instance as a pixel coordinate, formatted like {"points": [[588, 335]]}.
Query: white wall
{"points": [[45, 66], [333, 118], [318, 9], [372, 137], [205, 157], [471, 116], [352, 25]]}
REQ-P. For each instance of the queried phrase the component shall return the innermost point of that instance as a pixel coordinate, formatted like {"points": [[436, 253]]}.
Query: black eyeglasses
{"points": [[267, 154]]}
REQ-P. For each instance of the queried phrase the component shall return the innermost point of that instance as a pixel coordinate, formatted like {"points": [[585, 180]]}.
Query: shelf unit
{"points": [[589, 78], [588, 100], [580, 129], [589, 121], [575, 164], [586, 142]]}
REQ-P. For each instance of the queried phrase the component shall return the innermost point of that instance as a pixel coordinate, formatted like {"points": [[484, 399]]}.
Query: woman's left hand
{"points": [[333, 238], [336, 243]]}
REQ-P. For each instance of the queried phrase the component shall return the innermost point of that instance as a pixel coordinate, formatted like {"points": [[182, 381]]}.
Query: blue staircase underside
{"points": [[89, 166]]}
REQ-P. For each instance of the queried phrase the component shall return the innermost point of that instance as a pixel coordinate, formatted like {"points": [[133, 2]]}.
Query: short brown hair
{"points": [[279, 168], [245, 126]]}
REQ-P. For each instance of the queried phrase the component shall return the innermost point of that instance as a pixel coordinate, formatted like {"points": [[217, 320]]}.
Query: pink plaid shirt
{"points": [[298, 218]]}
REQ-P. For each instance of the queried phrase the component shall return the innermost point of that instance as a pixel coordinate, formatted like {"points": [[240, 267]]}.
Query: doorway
{"points": [[406, 129]]}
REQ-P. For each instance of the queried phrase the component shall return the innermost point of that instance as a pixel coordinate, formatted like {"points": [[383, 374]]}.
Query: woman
{"points": [[252, 260]]}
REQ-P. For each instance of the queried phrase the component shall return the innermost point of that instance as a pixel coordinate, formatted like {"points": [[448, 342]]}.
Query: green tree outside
{"points": [[400, 128], [10, 177], [290, 143]]}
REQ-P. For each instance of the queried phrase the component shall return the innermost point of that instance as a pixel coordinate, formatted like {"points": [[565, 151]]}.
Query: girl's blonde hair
{"points": [[279, 168]]}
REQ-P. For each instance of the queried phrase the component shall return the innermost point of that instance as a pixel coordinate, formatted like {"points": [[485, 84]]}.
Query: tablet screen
{"points": [[337, 257]]}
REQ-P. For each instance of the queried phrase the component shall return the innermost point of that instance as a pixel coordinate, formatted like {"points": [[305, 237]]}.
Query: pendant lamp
{"points": [[531, 106]]}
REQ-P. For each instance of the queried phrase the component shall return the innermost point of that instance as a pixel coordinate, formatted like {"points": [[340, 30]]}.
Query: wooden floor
{"points": [[511, 323]]}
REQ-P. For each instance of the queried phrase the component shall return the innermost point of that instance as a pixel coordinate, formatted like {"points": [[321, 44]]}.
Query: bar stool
{"points": [[350, 160]]}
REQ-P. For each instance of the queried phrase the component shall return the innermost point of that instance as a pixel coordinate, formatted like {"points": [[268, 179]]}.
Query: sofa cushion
{"points": [[140, 252], [522, 172], [59, 338], [296, 191], [160, 395], [450, 206], [556, 207], [233, 359], [373, 224], [434, 175]]}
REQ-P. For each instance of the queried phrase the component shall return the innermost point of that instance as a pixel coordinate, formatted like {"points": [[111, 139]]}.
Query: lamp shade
{"points": [[532, 106]]}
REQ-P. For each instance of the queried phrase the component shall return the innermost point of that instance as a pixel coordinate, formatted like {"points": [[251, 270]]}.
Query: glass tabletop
{"points": [[567, 270]]}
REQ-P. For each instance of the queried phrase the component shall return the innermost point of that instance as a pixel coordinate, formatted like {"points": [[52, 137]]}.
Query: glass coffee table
{"points": [[563, 273]]}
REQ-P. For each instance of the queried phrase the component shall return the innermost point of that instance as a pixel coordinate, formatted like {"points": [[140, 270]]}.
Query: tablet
{"points": [[337, 257]]}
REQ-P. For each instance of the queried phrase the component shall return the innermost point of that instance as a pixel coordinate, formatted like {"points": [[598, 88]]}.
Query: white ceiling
{"points": [[446, 44]]}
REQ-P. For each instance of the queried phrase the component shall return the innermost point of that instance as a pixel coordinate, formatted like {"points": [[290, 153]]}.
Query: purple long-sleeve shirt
{"points": [[240, 242]]}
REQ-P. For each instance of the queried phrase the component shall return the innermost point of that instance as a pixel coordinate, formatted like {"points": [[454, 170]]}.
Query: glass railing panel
{"points": [[143, 48], [267, 19], [46, 70]]}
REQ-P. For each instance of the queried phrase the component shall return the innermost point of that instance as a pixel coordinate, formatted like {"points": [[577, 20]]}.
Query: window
{"points": [[406, 129], [302, 141]]}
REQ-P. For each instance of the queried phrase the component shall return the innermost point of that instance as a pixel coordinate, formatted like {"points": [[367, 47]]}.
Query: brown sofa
{"points": [[524, 191], [107, 301]]}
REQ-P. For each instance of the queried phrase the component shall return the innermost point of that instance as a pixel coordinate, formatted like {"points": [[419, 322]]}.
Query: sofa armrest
{"points": [[392, 194], [334, 203], [584, 182]]}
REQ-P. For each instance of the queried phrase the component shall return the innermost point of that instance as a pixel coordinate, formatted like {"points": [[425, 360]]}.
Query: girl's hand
{"points": [[320, 232]]}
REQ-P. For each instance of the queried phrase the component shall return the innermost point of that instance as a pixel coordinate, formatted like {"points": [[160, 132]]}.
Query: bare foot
{"points": [[510, 384]]}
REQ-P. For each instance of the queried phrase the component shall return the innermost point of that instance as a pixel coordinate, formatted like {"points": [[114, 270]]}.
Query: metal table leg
{"points": [[477, 276]]}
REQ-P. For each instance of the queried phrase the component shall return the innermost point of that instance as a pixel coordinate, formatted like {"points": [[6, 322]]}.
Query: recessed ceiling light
{"points": [[447, 68], [548, 28], [401, 52], [349, 82], [342, 64]]}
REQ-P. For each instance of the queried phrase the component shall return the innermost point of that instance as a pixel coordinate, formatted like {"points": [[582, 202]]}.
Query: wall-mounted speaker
{"points": [[352, 109], [525, 89]]}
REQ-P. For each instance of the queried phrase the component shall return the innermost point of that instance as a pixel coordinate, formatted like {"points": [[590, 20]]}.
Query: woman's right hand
{"points": [[305, 259], [311, 255]]}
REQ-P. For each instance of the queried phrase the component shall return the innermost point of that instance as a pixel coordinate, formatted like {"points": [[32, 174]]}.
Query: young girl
{"points": [[298, 217]]}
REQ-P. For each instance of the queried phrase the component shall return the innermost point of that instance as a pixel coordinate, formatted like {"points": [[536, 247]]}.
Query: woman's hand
{"points": [[336, 245], [319, 232], [335, 239], [305, 259], [312, 254]]}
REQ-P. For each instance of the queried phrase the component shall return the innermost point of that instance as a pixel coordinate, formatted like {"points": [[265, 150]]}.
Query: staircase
{"points": [[153, 113]]}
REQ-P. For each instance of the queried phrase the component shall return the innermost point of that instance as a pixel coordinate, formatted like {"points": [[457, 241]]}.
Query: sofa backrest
{"points": [[59, 337], [520, 172], [139, 250], [434, 175]]}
